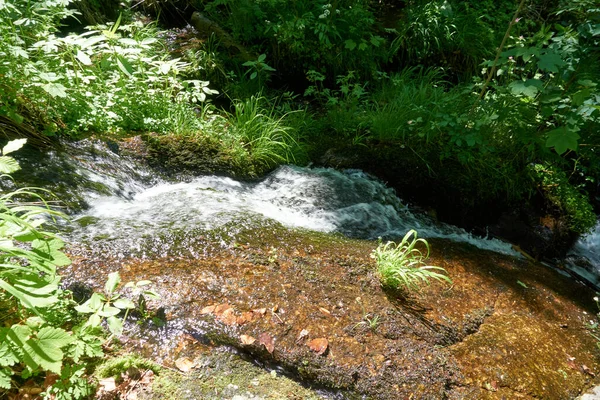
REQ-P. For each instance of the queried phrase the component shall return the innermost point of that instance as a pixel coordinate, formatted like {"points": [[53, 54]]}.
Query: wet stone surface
{"points": [[311, 305]]}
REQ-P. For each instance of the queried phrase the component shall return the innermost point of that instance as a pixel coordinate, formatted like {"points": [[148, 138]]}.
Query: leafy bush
{"points": [[42, 335], [401, 265], [107, 79]]}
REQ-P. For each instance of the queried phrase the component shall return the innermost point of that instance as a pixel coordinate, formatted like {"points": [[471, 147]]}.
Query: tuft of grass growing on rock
{"points": [[400, 266]]}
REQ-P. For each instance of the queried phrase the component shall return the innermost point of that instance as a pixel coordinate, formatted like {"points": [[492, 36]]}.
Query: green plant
{"points": [[562, 194], [39, 334], [265, 137], [401, 265]]}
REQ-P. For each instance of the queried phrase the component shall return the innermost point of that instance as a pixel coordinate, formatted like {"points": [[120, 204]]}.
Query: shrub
{"points": [[400, 265]]}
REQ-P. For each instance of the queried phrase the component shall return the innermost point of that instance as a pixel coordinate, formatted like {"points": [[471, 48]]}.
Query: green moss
{"points": [[559, 191]]}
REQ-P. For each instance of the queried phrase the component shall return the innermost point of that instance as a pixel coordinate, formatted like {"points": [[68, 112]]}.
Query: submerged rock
{"points": [[505, 328]]}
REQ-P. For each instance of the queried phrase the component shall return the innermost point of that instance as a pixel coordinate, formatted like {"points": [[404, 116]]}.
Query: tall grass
{"points": [[263, 133]]}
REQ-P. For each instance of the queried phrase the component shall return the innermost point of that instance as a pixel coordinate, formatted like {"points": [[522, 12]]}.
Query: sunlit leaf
{"points": [[13, 145]]}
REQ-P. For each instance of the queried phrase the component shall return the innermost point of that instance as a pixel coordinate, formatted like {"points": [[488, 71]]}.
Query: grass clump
{"points": [[401, 265]]}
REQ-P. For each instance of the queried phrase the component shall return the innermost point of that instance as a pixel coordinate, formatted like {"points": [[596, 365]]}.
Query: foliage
{"points": [[331, 37], [265, 137], [107, 79], [451, 35], [42, 333], [401, 265], [567, 198]]}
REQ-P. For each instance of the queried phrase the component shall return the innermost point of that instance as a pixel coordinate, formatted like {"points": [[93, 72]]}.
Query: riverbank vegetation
{"points": [[481, 103]]}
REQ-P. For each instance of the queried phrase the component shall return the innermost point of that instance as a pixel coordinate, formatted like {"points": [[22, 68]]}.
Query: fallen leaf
{"points": [[247, 340], [266, 340], [221, 308], [228, 317], [245, 317], [261, 311], [275, 308], [571, 364], [108, 384], [184, 364], [208, 310], [587, 370], [303, 333], [319, 346], [324, 311]]}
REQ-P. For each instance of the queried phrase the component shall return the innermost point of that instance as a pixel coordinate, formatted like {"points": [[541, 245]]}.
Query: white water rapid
{"points": [[349, 202]]}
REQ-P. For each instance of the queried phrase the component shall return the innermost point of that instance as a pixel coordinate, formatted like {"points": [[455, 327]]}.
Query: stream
{"points": [[296, 245]]}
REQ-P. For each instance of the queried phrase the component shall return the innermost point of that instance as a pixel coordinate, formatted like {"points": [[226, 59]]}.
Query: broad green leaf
{"points": [[562, 139], [350, 44], [124, 304], [83, 58], [49, 76], [8, 165], [149, 40], [92, 305], [581, 96], [13, 145], [92, 41], [128, 41], [112, 282], [108, 311], [143, 283], [550, 61], [55, 89], [33, 292], [529, 88], [45, 349]]}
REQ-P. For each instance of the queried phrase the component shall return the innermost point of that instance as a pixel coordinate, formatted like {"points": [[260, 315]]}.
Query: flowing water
{"points": [[584, 257], [129, 210]]}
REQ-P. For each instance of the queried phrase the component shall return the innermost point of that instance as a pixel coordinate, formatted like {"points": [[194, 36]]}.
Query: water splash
{"points": [[584, 257], [140, 217]]}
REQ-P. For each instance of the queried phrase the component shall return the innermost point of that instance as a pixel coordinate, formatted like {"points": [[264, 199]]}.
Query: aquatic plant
{"points": [[401, 265]]}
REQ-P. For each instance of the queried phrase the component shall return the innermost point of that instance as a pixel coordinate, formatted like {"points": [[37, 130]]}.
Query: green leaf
{"points": [[8, 165], [529, 88], [32, 291], [108, 311], [13, 145], [550, 61], [124, 304], [124, 65], [115, 325], [5, 378], [350, 44], [581, 96], [55, 89], [83, 58], [7, 355], [562, 139], [112, 282], [45, 349]]}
